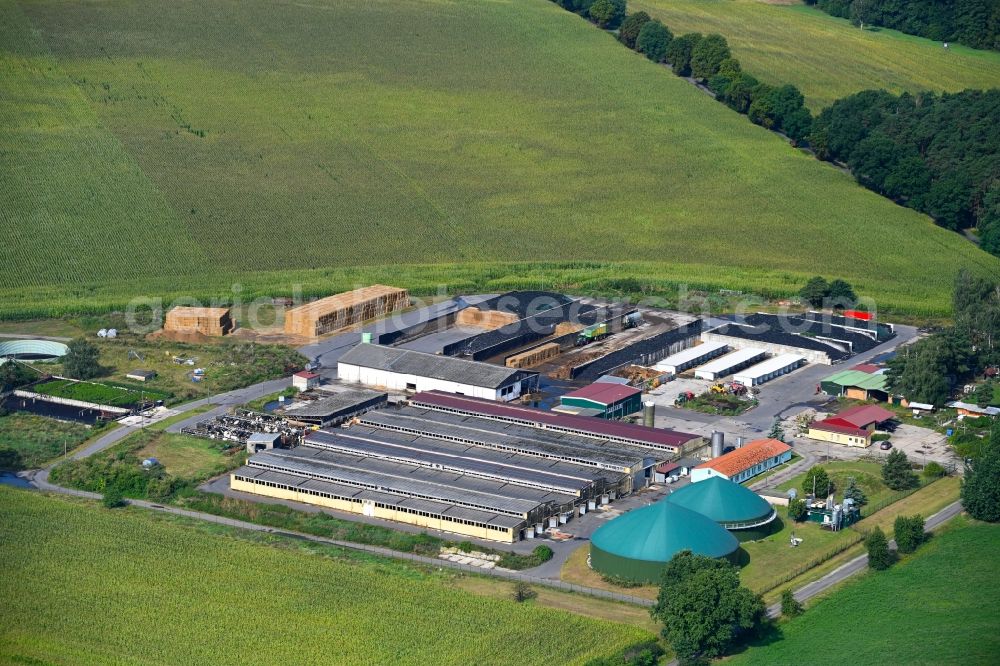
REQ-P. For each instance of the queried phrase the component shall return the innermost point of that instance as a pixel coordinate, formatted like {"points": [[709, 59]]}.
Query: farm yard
{"points": [[233, 147], [168, 593], [826, 57]]}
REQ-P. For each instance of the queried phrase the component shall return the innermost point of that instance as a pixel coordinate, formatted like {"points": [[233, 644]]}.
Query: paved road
{"points": [[860, 563], [223, 400]]}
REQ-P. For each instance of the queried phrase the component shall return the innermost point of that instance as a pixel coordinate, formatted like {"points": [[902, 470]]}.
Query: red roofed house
{"points": [[305, 380], [852, 427], [745, 462]]}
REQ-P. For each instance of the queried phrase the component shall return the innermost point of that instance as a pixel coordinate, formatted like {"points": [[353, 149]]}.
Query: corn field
{"points": [[199, 146], [86, 585]]}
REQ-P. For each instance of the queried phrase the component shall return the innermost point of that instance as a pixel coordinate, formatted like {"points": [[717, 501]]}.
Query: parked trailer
{"points": [[592, 334]]}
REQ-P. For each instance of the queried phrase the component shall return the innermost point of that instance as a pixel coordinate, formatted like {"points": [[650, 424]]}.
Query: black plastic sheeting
{"points": [[640, 352]]}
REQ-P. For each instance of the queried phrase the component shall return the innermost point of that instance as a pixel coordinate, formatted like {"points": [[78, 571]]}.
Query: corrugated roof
{"points": [[604, 392], [444, 368], [591, 427], [763, 368], [745, 457], [691, 354], [859, 379], [338, 402], [730, 360], [860, 416], [657, 532], [722, 500]]}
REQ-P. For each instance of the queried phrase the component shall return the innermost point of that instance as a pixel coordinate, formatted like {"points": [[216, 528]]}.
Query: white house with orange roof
{"points": [[745, 462]]}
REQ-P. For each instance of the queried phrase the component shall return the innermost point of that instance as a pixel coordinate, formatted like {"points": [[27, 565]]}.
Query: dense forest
{"points": [[939, 154], [975, 23]]}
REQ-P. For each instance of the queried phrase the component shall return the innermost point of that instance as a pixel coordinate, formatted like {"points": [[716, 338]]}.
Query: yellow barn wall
{"points": [[429, 522], [838, 438]]}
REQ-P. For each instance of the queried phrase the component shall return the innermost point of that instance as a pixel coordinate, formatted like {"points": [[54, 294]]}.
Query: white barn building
{"points": [[408, 370]]}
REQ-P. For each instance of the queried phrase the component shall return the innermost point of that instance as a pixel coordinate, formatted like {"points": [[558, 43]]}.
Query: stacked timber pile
{"points": [[342, 310], [206, 321], [533, 357], [567, 327], [485, 319]]}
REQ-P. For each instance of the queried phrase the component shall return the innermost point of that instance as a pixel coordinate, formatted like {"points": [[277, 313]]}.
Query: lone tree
{"points": [[879, 555], [113, 498], [817, 482], [815, 291], [82, 361], [523, 592], [981, 485], [897, 473], [908, 532], [653, 40], [853, 492], [777, 432], [703, 607], [629, 32], [790, 606]]}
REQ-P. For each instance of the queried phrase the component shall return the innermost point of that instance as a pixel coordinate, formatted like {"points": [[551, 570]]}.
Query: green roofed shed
{"points": [[729, 504], [637, 545]]}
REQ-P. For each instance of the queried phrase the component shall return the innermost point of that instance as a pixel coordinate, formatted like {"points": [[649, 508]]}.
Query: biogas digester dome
{"points": [[638, 544], [742, 511]]}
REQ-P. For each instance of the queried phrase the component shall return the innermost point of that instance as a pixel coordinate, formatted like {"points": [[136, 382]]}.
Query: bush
{"points": [[523, 592], [816, 479], [797, 510], [909, 533], [934, 471], [113, 498], [790, 606], [880, 557], [619, 581]]}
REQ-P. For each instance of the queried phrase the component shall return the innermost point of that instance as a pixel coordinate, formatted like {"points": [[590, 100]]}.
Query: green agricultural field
{"points": [[102, 394], [936, 607], [179, 149], [35, 440], [85, 585], [826, 57]]}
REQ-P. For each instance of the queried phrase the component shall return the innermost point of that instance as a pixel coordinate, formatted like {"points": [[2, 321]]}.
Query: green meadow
{"points": [[166, 150], [934, 607], [827, 57]]}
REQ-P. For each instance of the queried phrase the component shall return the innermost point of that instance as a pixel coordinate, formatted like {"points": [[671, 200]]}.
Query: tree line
{"points": [[975, 23], [937, 154]]}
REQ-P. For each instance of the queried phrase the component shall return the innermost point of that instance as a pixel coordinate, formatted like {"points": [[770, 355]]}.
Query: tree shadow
{"points": [[767, 633]]}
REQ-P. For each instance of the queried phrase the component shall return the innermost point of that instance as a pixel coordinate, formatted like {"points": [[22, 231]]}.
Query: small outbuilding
{"points": [[743, 512], [305, 380], [637, 545], [614, 401], [141, 375]]}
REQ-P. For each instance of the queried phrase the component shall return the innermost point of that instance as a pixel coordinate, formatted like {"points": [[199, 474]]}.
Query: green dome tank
{"points": [[638, 544], [727, 503]]}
